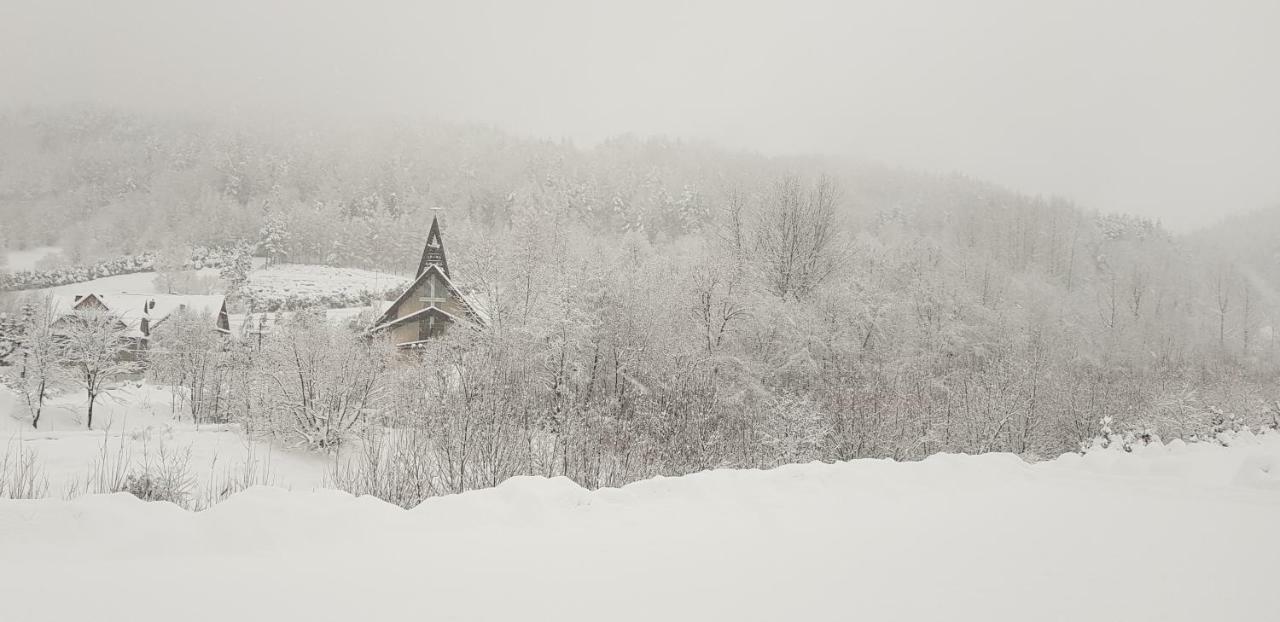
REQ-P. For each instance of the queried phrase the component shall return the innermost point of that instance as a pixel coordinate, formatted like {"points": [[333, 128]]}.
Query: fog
{"points": [[1166, 110]]}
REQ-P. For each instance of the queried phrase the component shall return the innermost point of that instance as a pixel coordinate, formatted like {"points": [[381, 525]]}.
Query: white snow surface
{"points": [[316, 279], [282, 280], [135, 283], [138, 420], [1177, 532]]}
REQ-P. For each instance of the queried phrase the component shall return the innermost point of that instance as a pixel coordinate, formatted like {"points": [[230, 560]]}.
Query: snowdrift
{"points": [[1182, 532]]}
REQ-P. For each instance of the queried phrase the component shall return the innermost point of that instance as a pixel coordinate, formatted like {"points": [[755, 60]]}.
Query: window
{"points": [[435, 294], [430, 326]]}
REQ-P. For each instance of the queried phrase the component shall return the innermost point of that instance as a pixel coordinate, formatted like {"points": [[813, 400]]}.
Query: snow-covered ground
{"points": [[279, 280], [135, 424], [307, 279], [269, 287], [136, 283], [1183, 532]]}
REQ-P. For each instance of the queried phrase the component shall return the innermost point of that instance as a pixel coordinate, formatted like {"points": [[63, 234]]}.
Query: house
{"points": [[140, 314], [431, 304]]}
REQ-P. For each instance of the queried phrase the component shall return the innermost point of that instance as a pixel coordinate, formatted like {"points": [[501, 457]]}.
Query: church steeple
{"points": [[431, 304], [433, 252]]}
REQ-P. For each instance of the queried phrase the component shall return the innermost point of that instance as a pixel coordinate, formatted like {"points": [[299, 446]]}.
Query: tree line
{"points": [[660, 307]]}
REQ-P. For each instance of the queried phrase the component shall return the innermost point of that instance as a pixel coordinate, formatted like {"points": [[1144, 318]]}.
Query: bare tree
{"points": [[1139, 284], [718, 302], [96, 348], [1109, 301], [1222, 296], [188, 353], [322, 380], [795, 237], [1246, 316]]}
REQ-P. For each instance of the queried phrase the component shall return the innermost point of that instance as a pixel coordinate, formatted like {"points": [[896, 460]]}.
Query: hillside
{"points": [[651, 291]]}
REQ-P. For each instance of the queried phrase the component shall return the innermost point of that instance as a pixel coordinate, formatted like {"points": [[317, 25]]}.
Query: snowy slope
{"points": [[136, 283], [137, 422], [281, 280], [1176, 533], [306, 279]]}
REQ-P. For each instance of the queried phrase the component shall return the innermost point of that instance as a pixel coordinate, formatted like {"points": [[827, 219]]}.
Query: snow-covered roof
{"points": [[416, 315], [478, 311], [132, 308]]}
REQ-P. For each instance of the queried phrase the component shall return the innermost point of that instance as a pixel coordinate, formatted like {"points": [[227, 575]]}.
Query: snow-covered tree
{"points": [[96, 348], [39, 359], [236, 271], [797, 238], [187, 354], [321, 381], [274, 238]]}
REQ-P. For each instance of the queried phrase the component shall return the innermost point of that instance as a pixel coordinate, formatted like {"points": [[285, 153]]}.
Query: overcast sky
{"points": [[1167, 109]]}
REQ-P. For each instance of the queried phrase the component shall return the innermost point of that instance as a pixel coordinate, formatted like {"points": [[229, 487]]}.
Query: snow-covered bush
{"points": [[318, 383], [200, 257], [258, 298], [158, 486], [10, 336], [793, 430], [165, 477], [397, 466]]}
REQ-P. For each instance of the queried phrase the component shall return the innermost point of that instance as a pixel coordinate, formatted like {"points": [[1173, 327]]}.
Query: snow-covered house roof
{"points": [[132, 309]]}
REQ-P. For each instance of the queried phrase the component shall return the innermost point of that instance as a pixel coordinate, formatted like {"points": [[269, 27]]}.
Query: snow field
{"points": [[313, 280], [136, 423], [1183, 532]]}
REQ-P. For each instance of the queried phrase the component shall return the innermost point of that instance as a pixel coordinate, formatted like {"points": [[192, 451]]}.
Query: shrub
{"points": [[169, 478], [398, 467], [21, 476]]}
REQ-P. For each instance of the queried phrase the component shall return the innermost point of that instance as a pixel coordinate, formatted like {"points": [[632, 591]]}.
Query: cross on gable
{"points": [[435, 294]]}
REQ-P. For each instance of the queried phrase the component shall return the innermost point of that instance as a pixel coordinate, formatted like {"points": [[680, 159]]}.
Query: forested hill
{"points": [[107, 183], [870, 310]]}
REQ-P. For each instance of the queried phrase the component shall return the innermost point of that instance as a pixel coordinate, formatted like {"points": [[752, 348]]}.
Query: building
{"points": [[431, 304], [140, 314]]}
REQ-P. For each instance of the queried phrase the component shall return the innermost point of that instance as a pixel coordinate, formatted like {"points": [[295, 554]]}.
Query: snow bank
{"points": [[1184, 532]]}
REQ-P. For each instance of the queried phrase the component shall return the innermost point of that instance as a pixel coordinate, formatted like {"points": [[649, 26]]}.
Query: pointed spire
{"points": [[433, 252]]}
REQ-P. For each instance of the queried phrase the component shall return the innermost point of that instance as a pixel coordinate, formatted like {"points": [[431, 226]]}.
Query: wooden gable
{"points": [[425, 309], [431, 303], [89, 302]]}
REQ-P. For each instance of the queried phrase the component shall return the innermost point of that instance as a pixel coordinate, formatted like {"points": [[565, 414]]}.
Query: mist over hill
{"points": [[931, 313], [718, 309]]}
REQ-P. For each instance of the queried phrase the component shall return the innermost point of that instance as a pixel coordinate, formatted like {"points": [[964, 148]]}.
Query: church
{"points": [[432, 304]]}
